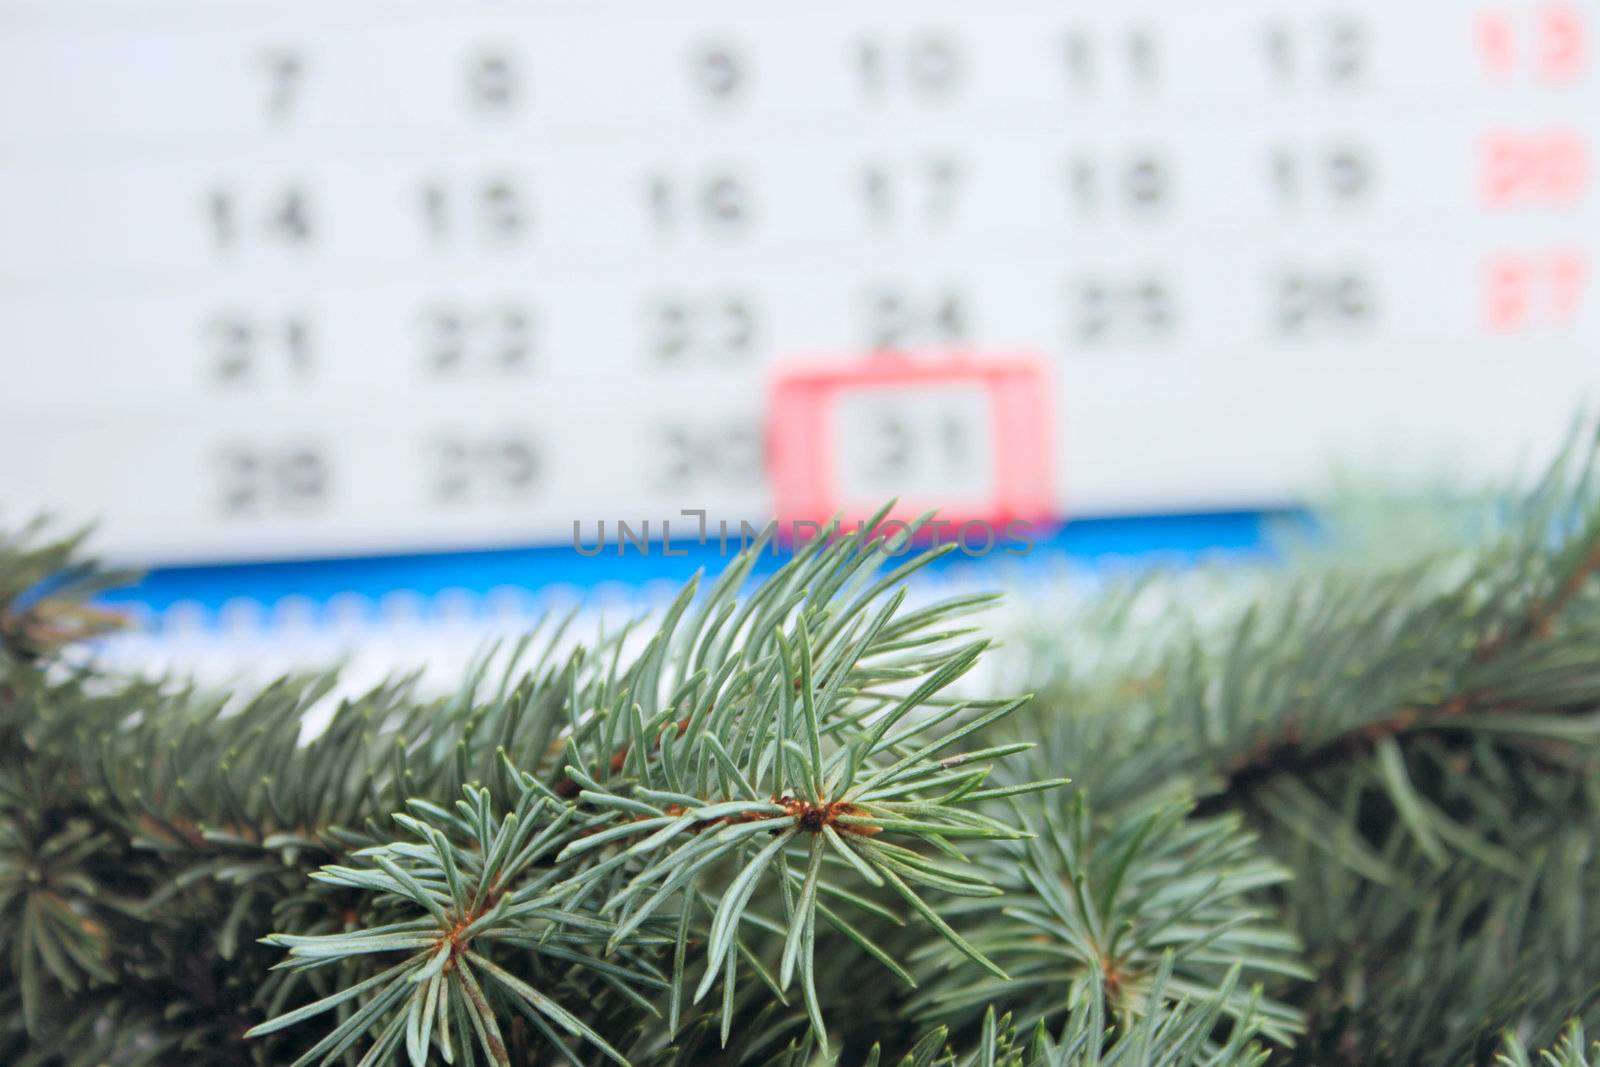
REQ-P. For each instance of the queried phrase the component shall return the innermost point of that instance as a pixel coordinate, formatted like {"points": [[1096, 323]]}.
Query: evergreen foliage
{"points": [[1341, 809]]}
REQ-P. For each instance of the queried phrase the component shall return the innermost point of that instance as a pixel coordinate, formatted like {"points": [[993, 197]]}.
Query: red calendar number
{"points": [[1548, 43], [1529, 170], [1523, 292], [963, 432]]}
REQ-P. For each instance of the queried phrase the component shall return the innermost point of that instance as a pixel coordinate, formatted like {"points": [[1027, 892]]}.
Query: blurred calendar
{"points": [[289, 279]]}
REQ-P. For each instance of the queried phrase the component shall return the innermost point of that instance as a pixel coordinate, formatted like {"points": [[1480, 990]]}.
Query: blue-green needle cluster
{"points": [[1342, 809]]}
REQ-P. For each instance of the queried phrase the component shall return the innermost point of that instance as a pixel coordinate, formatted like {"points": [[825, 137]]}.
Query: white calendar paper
{"points": [[285, 278]]}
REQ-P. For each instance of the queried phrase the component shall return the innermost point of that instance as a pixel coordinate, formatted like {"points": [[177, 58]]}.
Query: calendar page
{"points": [[286, 279]]}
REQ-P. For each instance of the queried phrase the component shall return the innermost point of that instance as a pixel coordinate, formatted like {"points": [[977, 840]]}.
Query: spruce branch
{"points": [[45, 588], [1538, 588], [803, 733], [1290, 756], [1572, 1049], [1173, 1029], [1413, 738], [478, 885], [1147, 899], [806, 769], [775, 784], [48, 932]]}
